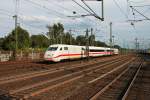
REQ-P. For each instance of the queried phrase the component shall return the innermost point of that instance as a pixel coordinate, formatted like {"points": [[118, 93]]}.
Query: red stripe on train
{"points": [[82, 54]]}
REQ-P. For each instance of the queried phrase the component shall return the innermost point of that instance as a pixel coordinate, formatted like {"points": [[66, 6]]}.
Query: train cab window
{"points": [[83, 49], [65, 48], [60, 49], [109, 50], [52, 48]]}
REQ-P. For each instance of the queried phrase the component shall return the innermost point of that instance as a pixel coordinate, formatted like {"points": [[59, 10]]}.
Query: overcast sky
{"points": [[34, 15]]}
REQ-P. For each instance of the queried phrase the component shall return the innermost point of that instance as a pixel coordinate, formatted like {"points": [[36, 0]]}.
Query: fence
{"points": [[21, 55]]}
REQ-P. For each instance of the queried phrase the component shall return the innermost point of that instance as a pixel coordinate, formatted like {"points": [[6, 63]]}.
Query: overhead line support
{"points": [[140, 13]]}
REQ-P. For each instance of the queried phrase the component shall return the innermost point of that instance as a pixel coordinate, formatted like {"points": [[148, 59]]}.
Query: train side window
{"points": [[60, 49], [65, 48]]}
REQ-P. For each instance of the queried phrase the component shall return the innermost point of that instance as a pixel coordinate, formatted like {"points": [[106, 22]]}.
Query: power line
{"points": [[147, 10], [68, 10], [140, 13], [142, 6], [60, 6], [30, 25], [138, 1], [58, 14], [89, 8], [41, 6], [82, 7], [6, 11], [5, 14], [120, 9]]}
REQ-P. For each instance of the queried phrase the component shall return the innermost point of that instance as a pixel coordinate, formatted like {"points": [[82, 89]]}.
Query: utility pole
{"points": [[16, 30], [87, 44], [113, 41], [70, 31], [61, 38], [102, 9], [136, 45], [110, 34], [91, 38]]}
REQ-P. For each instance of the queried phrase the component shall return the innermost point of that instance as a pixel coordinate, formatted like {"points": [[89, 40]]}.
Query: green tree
{"points": [[39, 41], [1, 43], [9, 43], [81, 40], [117, 46], [100, 44], [92, 40], [68, 38], [23, 40], [55, 33]]}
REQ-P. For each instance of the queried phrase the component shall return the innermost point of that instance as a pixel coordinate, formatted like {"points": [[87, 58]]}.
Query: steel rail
{"points": [[50, 87], [55, 79], [107, 86], [41, 73], [132, 82]]}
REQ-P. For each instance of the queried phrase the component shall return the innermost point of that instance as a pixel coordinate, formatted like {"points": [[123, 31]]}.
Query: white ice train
{"points": [[60, 52]]}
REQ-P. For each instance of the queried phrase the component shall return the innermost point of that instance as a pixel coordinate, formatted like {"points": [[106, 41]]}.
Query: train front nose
{"points": [[48, 55]]}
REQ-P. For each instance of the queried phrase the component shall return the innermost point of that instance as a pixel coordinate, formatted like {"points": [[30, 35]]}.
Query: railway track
{"points": [[54, 70], [119, 87], [10, 69], [29, 86], [102, 70], [96, 84], [140, 90]]}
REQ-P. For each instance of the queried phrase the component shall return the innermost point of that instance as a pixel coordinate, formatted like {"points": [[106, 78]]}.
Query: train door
{"points": [[60, 53], [66, 53], [83, 52]]}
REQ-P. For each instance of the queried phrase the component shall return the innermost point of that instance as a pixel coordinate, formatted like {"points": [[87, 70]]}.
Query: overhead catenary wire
{"points": [[27, 24], [5, 14], [82, 7], [90, 13], [31, 26], [140, 13], [142, 6], [132, 24], [142, 1], [120, 9], [68, 10], [20, 16], [126, 14], [146, 11], [58, 14], [60, 6], [46, 8], [89, 8]]}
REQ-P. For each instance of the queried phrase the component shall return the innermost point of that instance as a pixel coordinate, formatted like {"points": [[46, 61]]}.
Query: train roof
{"points": [[91, 47], [63, 45]]}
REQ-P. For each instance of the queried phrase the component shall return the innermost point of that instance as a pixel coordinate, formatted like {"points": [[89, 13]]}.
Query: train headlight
{"points": [[48, 55]]}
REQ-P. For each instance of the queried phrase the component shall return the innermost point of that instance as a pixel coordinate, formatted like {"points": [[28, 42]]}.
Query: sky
{"points": [[35, 15]]}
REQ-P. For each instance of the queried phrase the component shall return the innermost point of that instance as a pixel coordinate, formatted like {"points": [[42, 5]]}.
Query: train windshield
{"points": [[52, 48]]}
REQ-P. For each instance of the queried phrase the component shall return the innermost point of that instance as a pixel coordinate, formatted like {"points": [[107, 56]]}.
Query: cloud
{"points": [[35, 18]]}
